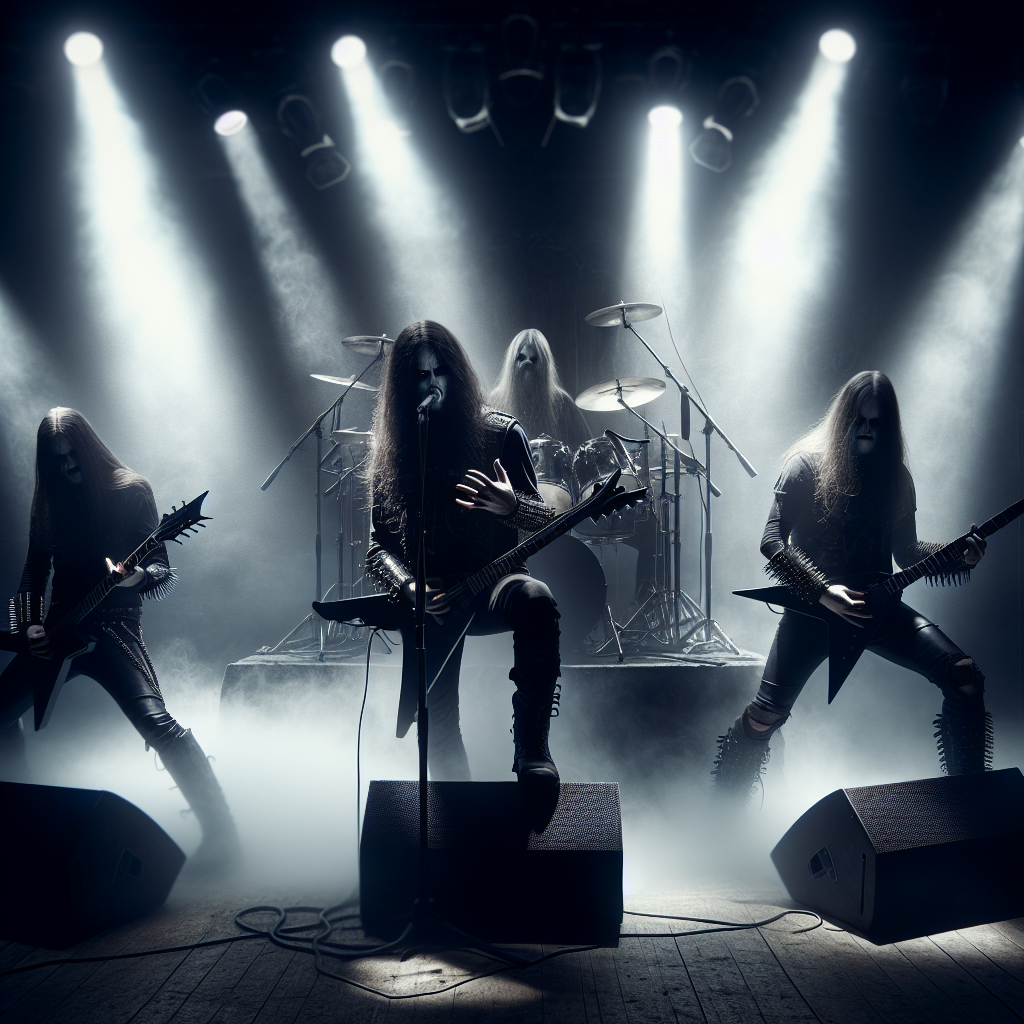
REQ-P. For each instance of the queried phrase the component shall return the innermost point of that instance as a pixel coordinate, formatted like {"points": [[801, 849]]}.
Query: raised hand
{"points": [[479, 491]]}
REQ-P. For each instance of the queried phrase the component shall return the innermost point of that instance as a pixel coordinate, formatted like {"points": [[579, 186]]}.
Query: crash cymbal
{"points": [[611, 316], [367, 344], [635, 391], [343, 381], [352, 436]]}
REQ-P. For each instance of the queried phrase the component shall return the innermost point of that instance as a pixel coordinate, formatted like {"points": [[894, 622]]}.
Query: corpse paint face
{"points": [[431, 372], [867, 429], [528, 357], [66, 459]]}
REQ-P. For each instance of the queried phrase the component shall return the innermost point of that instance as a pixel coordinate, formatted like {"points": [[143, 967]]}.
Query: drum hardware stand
{"points": [[713, 636], [334, 410]]}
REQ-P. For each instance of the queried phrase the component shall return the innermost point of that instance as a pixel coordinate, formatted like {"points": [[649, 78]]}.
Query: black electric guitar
{"points": [[380, 611], [65, 641], [846, 642]]}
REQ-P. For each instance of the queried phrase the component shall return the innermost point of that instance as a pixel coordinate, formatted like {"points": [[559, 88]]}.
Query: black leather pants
{"points": [[905, 638], [519, 603], [119, 663]]}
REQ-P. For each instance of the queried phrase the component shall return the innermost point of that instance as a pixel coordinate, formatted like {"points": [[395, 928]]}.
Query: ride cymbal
{"points": [[366, 344], [634, 392], [631, 312], [343, 381]]}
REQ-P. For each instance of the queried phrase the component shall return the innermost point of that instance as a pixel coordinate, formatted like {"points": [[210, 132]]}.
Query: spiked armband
{"points": [[531, 513], [159, 581], [26, 609], [387, 571], [792, 568], [954, 575]]}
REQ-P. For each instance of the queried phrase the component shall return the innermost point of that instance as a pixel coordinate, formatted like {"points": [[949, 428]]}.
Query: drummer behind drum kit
{"points": [[665, 613]]}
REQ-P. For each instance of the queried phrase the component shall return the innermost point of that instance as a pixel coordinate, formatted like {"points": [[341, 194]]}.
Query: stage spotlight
{"points": [[83, 49], [837, 45], [737, 99], [665, 117], [300, 121], [231, 122], [348, 51]]}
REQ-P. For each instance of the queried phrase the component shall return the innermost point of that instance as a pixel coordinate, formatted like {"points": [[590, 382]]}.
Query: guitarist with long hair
{"points": [[472, 516], [845, 507], [87, 506]]}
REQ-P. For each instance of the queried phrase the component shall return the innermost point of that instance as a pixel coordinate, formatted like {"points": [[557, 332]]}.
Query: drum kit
{"points": [[662, 612]]}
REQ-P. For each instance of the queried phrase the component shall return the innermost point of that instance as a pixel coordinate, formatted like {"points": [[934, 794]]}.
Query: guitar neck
{"points": [[942, 560], [94, 598]]}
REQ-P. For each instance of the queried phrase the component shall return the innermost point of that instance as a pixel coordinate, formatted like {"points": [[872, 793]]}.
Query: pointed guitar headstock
{"points": [[608, 498], [182, 521]]}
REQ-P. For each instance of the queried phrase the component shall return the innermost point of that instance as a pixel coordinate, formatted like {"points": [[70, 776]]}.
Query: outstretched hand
{"points": [[479, 491]]}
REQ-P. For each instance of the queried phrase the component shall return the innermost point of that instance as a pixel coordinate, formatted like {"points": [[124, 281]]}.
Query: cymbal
{"points": [[366, 344], [343, 381], [351, 436], [635, 391], [611, 316]]}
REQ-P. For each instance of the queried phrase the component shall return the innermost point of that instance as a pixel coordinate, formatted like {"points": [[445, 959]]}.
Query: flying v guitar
{"points": [[380, 611], [846, 642], [65, 641]]}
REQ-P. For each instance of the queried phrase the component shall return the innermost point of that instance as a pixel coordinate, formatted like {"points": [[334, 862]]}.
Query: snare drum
{"points": [[595, 461], [552, 462]]}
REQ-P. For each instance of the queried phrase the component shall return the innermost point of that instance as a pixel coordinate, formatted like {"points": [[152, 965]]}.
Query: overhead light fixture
{"points": [[348, 51], [523, 77], [737, 99], [837, 45], [577, 86], [300, 121], [467, 93], [83, 49], [665, 117], [231, 122]]}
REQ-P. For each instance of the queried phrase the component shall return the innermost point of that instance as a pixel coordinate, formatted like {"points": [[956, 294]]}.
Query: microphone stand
{"points": [[713, 634], [317, 428]]}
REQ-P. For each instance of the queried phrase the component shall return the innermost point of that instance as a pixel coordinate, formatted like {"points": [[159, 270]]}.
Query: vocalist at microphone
{"points": [[433, 397]]}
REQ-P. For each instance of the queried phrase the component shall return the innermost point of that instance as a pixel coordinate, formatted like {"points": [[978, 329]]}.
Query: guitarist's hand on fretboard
{"points": [[132, 579], [975, 548], [438, 602], [847, 603]]}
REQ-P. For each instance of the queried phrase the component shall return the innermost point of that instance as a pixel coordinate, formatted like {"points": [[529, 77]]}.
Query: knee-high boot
{"points": [[964, 740], [536, 676], [742, 755], [188, 766]]}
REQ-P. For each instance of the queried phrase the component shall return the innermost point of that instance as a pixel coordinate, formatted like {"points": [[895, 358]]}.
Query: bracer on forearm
{"points": [[792, 568], [531, 513], [387, 571]]}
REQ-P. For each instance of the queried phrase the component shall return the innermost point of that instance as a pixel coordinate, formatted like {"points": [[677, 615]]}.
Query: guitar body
{"points": [[50, 675], [846, 642], [379, 611]]}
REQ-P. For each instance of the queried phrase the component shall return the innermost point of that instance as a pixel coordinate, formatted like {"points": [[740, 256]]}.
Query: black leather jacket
{"points": [[459, 541]]}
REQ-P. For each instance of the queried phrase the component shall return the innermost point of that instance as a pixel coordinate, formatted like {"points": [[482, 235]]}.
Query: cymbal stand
{"points": [[316, 427], [713, 638]]}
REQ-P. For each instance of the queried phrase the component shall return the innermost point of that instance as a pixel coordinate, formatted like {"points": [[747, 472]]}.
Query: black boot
{"points": [[964, 741], [188, 766], [742, 756], [538, 777]]}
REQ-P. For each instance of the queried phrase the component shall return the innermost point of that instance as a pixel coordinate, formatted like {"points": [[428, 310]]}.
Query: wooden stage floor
{"points": [[773, 973]]}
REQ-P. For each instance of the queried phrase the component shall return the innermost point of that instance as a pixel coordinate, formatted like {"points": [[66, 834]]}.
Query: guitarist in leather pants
{"points": [[844, 506], [87, 504], [471, 519]]}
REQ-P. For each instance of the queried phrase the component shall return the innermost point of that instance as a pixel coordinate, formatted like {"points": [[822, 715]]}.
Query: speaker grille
{"points": [[908, 815]]}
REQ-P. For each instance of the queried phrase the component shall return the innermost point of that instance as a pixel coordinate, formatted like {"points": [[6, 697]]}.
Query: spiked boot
{"points": [[742, 756], [964, 741]]}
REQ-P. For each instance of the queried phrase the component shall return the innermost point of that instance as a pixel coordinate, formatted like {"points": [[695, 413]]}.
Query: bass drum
{"points": [[552, 461], [576, 579]]}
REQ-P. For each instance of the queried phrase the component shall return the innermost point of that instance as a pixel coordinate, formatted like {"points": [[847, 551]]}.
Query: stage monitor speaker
{"points": [[74, 862], [908, 859], [489, 873]]}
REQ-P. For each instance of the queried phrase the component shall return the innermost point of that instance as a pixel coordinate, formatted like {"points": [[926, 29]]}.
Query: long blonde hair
{"points": [[830, 439]]}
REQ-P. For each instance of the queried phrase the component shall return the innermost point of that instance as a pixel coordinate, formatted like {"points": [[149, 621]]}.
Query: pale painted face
{"points": [[528, 357], [431, 373], [70, 467], [867, 430]]}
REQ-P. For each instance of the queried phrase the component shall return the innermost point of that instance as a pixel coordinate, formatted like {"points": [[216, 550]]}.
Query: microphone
{"points": [[434, 395]]}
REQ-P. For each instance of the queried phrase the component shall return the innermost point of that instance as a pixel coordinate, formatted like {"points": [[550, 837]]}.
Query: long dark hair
{"points": [[535, 404], [838, 472], [65, 515], [456, 435]]}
